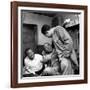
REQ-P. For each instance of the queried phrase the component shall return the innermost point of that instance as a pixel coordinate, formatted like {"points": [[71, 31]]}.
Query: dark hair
{"points": [[26, 50], [45, 28]]}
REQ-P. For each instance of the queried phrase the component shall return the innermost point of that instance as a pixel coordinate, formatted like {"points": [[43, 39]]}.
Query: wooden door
{"points": [[29, 37]]}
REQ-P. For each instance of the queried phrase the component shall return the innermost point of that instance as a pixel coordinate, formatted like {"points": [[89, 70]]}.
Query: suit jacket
{"points": [[63, 43]]}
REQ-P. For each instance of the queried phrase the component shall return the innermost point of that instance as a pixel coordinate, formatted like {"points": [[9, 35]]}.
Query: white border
{"points": [[51, 78]]}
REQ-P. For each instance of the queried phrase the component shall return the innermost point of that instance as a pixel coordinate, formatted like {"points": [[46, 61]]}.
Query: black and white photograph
{"points": [[50, 45]]}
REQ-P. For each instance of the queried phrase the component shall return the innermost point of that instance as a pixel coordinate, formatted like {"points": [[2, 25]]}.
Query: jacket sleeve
{"points": [[65, 38]]}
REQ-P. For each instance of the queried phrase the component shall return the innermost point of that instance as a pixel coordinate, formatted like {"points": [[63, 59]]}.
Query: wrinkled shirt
{"points": [[33, 65]]}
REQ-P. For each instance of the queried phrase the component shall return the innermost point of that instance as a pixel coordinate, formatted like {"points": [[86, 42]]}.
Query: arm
{"points": [[28, 67], [30, 71], [46, 58]]}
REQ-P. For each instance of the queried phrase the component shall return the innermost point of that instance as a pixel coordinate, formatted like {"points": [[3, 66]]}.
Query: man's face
{"points": [[48, 47], [48, 33], [30, 54]]}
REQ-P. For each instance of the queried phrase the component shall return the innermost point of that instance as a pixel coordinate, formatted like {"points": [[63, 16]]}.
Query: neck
{"points": [[30, 58]]}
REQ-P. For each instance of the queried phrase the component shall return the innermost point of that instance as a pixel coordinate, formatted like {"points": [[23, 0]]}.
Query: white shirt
{"points": [[33, 65]]}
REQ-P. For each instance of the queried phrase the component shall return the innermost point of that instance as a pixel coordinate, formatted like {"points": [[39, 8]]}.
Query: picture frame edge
{"points": [[14, 83]]}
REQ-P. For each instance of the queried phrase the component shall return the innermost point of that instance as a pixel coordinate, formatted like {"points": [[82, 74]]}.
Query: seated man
{"points": [[33, 64], [51, 60]]}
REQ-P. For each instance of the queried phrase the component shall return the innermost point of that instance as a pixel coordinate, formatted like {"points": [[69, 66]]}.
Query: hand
{"points": [[66, 54], [35, 74], [75, 67], [44, 74]]}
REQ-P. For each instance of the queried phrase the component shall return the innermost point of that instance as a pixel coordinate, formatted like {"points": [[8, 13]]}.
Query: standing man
{"points": [[63, 45]]}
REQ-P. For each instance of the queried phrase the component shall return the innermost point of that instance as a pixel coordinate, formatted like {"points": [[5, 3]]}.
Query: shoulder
{"points": [[59, 29], [38, 56], [26, 59]]}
